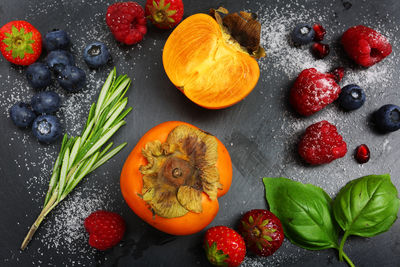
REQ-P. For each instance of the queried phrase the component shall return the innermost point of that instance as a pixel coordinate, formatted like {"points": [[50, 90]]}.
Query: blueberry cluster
{"points": [[386, 118], [39, 114], [46, 127], [62, 63]]}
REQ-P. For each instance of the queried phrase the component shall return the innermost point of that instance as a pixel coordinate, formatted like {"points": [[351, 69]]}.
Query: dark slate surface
{"points": [[258, 132]]}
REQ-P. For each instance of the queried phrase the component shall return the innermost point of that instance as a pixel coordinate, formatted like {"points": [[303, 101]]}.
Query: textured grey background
{"points": [[260, 132]]}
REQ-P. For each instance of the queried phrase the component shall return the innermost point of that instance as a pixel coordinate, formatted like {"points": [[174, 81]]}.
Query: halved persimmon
{"points": [[174, 176], [212, 59]]}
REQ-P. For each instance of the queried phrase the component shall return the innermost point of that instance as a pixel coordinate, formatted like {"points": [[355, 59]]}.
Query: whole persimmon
{"points": [[212, 59], [173, 177]]}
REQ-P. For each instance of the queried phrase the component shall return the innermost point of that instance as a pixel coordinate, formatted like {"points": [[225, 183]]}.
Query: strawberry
{"points": [[322, 144], [20, 42], [105, 229], [365, 45], [164, 14], [262, 231], [224, 246], [312, 91]]}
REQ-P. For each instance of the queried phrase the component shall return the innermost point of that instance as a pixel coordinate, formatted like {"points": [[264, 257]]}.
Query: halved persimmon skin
{"points": [[210, 71], [131, 183]]}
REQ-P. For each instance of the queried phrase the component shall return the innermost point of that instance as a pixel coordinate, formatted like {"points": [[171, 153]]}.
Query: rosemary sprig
{"points": [[81, 155]]}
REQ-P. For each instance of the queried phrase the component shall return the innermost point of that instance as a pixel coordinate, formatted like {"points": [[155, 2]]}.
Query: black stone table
{"points": [[260, 132]]}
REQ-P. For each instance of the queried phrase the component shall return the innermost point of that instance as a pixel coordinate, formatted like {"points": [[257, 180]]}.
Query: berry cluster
{"points": [[304, 34], [312, 91], [39, 114], [259, 230]]}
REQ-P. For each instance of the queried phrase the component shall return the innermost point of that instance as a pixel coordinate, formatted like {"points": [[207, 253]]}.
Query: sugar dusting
{"points": [[63, 232], [284, 62]]}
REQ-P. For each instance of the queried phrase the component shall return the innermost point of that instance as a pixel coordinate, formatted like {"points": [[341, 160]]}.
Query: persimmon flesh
{"points": [[211, 68]]}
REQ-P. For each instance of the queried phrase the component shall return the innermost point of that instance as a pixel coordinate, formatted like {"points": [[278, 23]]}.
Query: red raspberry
{"points": [[365, 45], [322, 144], [319, 32], [127, 22], [105, 229], [320, 50], [312, 91]]}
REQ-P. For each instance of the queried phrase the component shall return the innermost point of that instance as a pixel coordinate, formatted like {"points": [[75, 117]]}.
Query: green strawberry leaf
{"points": [[14, 31], [7, 41]]}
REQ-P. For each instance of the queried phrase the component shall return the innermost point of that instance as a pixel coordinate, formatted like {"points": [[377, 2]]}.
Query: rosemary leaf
{"points": [[122, 116], [103, 92], [111, 154], [56, 170], [120, 107], [82, 173], [105, 149], [87, 131], [74, 152], [103, 139], [91, 114], [63, 173], [118, 91]]}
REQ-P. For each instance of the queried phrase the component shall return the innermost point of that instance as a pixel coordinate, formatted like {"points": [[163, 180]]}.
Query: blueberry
{"points": [[56, 39], [72, 79], [351, 97], [96, 55], [57, 60], [46, 128], [21, 115], [38, 75], [46, 102], [387, 118], [303, 34]]}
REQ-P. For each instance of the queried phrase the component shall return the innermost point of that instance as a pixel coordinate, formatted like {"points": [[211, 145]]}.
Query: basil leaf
{"points": [[305, 213], [367, 206]]}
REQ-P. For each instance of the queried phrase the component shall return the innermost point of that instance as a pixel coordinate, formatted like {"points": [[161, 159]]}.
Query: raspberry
{"points": [[127, 22], [105, 229], [312, 91], [322, 144], [365, 45], [320, 50], [319, 32]]}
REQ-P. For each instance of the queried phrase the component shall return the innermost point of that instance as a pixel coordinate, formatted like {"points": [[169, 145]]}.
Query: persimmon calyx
{"points": [[242, 28], [179, 170]]}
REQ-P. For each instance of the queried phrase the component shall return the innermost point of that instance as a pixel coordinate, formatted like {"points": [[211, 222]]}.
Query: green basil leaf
{"points": [[305, 213], [367, 206]]}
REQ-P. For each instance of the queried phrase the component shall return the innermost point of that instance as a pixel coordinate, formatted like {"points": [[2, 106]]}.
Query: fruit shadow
{"points": [[135, 243]]}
